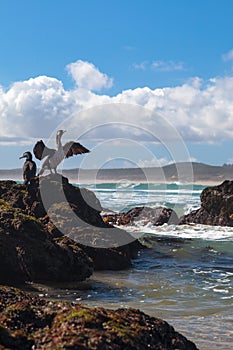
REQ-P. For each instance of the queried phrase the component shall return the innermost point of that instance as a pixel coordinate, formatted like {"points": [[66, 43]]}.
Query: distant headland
{"points": [[177, 172]]}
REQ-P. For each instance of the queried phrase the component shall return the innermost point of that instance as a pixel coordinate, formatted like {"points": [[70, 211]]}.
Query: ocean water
{"points": [[186, 277]]}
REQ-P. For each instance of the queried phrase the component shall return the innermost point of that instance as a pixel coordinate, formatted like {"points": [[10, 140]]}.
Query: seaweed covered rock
{"points": [[35, 220], [216, 206], [143, 216], [42, 192], [109, 247], [75, 212], [28, 322], [28, 253]]}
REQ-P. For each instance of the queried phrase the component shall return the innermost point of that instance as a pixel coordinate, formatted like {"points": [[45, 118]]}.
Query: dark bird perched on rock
{"points": [[55, 157], [29, 167]]}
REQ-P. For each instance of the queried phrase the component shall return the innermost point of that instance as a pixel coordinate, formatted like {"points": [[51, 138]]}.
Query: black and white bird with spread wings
{"points": [[55, 157]]}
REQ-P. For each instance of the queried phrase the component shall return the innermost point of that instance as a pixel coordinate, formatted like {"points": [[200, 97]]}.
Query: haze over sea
{"points": [[186, 277]]}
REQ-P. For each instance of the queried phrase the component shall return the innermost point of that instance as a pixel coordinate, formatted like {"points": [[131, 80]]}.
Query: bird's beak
{"points": [[64, 131], [23, 156]]}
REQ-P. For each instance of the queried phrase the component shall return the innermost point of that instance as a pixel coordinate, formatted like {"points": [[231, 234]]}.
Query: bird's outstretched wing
{"points": [[72, 148], [40, 150]]}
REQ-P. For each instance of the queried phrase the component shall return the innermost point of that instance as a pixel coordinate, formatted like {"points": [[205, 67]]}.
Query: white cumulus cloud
{"points": [[34, 107], [87, 76], [199, 111]]}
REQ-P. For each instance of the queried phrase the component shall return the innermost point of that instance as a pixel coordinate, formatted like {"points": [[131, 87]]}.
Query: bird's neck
{"points": [[58, 141]]}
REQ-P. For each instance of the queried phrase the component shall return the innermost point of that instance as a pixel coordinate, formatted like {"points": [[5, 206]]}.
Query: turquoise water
{"points": [[123, 196], [186, 277]]}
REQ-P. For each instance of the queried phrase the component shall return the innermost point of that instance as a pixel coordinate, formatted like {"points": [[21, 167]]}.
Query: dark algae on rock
{"points": [[28, 253], [52, 231], [28, 322]]}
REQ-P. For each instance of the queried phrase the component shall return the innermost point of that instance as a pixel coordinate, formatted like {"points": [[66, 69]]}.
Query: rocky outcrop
{"points": [[216, 206], [27, 322], [143, 216], [53, 231], [28, 253]]}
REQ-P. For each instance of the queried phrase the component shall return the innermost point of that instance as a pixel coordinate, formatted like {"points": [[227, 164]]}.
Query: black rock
{"points": [[144, 215], [216, 206]]}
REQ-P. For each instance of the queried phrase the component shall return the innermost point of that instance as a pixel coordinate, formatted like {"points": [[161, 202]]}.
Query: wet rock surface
{"points": [[52, 231], [216, 206], [28, 252], [144, 215], [27, 322]]}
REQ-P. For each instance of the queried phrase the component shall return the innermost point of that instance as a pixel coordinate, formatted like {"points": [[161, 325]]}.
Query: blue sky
{"points": [[173, 58]]}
